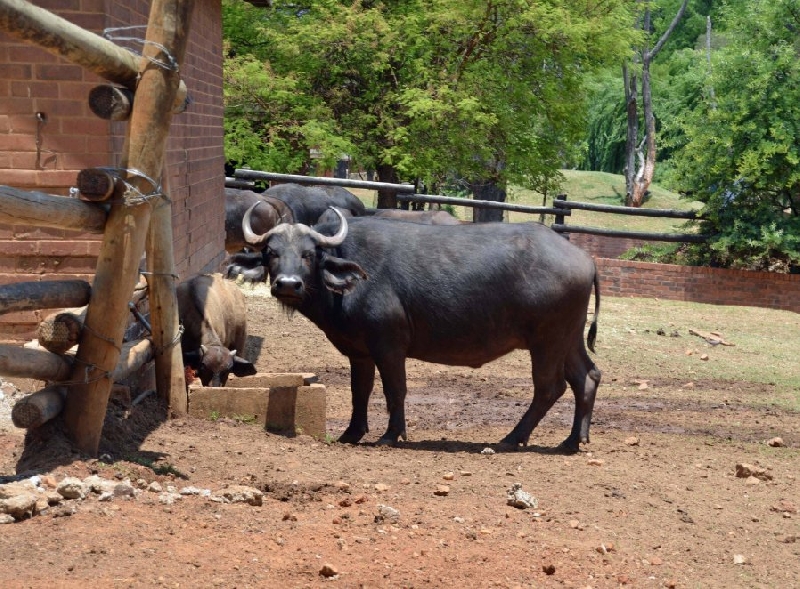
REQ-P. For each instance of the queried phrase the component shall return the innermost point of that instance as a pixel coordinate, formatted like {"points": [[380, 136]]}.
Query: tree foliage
{"points": [[742, 150], [430, 89]]}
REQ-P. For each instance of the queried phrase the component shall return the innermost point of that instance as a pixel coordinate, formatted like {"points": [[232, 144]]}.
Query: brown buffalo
{"points": [[213, 313]]}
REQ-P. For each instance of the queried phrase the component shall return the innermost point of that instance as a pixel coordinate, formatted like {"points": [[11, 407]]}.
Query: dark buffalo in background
{"points": [[431, 217], [283, 203], [213, 313], [465, 295]]}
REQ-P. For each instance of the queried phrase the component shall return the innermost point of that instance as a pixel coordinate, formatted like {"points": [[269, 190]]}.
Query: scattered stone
{"points": [[72, 488], [605, 548], [656, 561], [190, 491], [632, 441], [595, 462], [739, 559], [487, 451], [520, 499], [574, 524], [105, 496], [243, 494], [99, 485], [776, 442], [155, 487], [549, 569], [169, 498], [465, 473], [751, 480], [19, 506], [643, 386], [124, 489], [784, 506], [6, 518], [328, 570], [744, 470], [704, 357], [387, 513], [449, 476], [442, 491], [289, 517], [381, 487]]}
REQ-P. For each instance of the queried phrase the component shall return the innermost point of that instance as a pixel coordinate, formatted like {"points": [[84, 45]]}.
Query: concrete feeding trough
{"points": [[285, 403]]}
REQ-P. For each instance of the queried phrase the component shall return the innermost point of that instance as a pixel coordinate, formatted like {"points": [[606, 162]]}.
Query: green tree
{"points": [[742, 155], [490, 92]]}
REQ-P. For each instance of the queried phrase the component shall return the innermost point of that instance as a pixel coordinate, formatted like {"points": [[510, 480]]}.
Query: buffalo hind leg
{"points": [[548, 386], [584, 378], [362, 381]]}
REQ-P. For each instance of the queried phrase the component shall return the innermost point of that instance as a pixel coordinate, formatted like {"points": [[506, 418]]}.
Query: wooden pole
{"points": [[19, 362], [24, 207], [50, 294], [65, 39], [127, 226], [134, 355], [164, 321]]}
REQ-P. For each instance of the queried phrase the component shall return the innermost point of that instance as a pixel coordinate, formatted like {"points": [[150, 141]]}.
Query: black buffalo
{"points": [[213, 313], [384, 291], [430, 217]]}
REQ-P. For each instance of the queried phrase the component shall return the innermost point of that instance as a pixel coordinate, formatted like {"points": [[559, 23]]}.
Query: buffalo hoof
{"points": [[569, 446], [392, 439], [350, 437], [513, 441]]}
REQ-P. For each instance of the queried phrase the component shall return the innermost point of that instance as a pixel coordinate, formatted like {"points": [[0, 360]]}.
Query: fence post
{"points": [[559, 219]]}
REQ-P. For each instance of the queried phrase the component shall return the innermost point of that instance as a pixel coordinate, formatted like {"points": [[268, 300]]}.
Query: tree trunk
{"points": [[638, 183], [631, 140], [488, 189], [387, 199]]}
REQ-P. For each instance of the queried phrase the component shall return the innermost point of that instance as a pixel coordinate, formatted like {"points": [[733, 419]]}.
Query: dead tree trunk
{"points": [[638, 183], [127, 226]]}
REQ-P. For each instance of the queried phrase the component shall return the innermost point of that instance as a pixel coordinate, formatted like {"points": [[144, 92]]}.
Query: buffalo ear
{"points": [[340, 276], [242, 367]]}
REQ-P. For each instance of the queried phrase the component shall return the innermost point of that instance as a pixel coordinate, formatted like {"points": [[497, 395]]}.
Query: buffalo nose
{"points": [[287, 286]]}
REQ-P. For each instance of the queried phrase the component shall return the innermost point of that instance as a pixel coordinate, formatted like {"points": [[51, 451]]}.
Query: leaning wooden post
{"points": [[164, 321], [127, 226]]}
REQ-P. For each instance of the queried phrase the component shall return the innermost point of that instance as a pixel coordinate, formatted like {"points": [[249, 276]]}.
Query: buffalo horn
{"points": [[247, 229], [333, 240]]}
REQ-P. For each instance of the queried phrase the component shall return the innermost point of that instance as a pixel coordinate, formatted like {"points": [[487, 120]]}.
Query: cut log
{"points": [[97, 185], [60, 331], [54, 294], [19, 362], [40, 407], [38, 209], [111, 103]]}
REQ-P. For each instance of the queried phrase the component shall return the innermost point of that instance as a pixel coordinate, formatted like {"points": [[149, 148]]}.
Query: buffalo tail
{"points": [[590, 338]]}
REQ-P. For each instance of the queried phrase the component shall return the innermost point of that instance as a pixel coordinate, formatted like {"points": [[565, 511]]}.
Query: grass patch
{"points": [[628, 342]]}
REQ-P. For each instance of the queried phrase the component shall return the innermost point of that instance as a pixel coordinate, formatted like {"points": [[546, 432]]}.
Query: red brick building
{"points": [[48, 134]]}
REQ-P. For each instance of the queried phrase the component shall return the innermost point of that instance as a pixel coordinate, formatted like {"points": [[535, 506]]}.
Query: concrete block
{"points": [[289, 410], [272, 379]]}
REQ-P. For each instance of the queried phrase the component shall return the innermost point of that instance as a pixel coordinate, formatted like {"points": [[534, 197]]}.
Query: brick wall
{"points": [[46, 152], [716, 286], [602, 246]]}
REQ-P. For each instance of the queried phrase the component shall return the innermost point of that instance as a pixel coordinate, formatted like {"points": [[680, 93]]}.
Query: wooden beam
{"points": [[622, 210], [51, 294], [134, 355], [479, 204], [65, 39], [24, 207], [19, 362], [127, 226], [164, 320], [97, 185], [673, 237]]}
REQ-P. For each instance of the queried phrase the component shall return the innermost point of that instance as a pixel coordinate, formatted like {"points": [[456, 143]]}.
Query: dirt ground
{"points": [[653, 501]]}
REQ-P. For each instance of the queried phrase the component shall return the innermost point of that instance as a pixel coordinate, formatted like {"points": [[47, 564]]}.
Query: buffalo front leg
{"points": [[548, 386], [393, 376], [362, 380]]}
